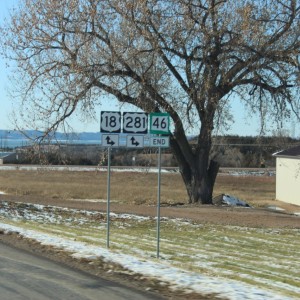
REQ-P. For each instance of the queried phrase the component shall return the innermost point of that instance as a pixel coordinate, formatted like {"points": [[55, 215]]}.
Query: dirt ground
{"points": [[221, 215]]}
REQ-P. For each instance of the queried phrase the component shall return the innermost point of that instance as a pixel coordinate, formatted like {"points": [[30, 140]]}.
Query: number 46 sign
{"points": [[159, 123]]}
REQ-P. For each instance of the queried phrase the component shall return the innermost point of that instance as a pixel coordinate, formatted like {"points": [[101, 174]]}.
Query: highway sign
{"points": [[110, 140], [135, 122], [110, 122], [159, 123], [135, 141], [160, 142]]}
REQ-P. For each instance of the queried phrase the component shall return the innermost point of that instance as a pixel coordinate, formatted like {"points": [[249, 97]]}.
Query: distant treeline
{"points": [[248, 151]]}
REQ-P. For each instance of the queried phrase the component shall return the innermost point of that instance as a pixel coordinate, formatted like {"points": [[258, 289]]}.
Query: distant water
{"points": [[3, 154], [14, 143]]}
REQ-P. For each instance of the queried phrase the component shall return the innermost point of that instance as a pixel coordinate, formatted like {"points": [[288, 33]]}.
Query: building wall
{"points": [[9, 159], [288, 180]]}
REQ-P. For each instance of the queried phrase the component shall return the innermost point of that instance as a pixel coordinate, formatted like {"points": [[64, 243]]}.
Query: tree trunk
{"points": [[200, 183], [198, 172]]}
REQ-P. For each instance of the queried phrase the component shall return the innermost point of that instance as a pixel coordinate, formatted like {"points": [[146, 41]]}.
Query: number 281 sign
{"points": [[135, 122]]}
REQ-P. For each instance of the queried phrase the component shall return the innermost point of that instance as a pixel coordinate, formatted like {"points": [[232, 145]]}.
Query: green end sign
{"points": [[159, 123]]}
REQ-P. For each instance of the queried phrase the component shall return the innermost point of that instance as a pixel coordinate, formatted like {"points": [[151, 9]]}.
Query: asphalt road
{"points": [[25, 276]]}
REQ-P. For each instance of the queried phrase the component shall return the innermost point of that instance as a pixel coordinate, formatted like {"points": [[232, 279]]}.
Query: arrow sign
{"points": [[110, 140], [135, 141]]}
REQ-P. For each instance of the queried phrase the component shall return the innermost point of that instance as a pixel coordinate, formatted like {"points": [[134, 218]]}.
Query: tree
{"points": [[185, 57]]}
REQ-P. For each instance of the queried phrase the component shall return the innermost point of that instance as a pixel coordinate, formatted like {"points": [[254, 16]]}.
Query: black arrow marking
{"points": [[109, 141], [134, 142]]}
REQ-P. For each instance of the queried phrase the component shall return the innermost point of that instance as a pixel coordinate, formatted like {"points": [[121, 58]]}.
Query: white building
{"points": [[288, 175]]}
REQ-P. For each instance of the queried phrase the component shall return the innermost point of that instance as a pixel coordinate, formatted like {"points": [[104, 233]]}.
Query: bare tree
{"points": [[185, 57]]}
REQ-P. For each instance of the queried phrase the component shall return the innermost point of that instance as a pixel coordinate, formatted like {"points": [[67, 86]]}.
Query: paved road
{"points": [[24, 276]]}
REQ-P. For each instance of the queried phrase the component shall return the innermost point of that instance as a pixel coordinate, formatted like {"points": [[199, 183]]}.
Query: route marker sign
{"points": [[159, 123], [160, 141], [135, 141], [110, 122], [135, 122], [110, 140]]}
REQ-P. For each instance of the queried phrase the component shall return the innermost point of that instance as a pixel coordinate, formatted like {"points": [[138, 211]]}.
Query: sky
{"points": [[244, 124]]}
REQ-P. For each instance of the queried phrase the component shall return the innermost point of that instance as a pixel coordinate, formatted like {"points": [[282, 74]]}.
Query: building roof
{"points": [[4, 154], [292, 152]]}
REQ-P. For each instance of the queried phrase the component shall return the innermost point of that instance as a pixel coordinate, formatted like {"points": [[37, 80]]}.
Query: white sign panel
{"points": [[135, 141], [110, 122], [163, 142], [135, 122], [110, 140]]}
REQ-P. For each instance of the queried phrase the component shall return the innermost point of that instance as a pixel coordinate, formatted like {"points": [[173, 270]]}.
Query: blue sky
{"points": [[5, 104], [244, 124]]}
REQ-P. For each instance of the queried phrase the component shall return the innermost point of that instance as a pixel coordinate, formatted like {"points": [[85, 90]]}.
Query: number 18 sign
{"points": [[110, 122], [159, 123]]}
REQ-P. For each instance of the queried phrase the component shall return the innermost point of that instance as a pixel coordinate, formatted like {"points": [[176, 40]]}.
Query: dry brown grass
{"points": [[256, 190], [128, 187]]}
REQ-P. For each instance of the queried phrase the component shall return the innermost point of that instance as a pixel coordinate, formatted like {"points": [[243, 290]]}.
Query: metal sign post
{"points": [[158, 202], [159, 124], [108, 197], [110, 124]]}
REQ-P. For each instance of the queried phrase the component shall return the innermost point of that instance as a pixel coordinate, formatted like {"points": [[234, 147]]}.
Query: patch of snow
{"points": [[276, 208], [161, 270], [129, 216], [84, 168], [252, 173], [94, 200], [2, 193]]}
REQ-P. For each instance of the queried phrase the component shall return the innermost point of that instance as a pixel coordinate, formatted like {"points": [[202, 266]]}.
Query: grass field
{"points": [[264, 258], [133, 187]]}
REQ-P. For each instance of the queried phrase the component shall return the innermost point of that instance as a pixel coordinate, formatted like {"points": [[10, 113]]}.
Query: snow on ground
{"points": [[241, 172], [83, 168], [177, 278]]}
